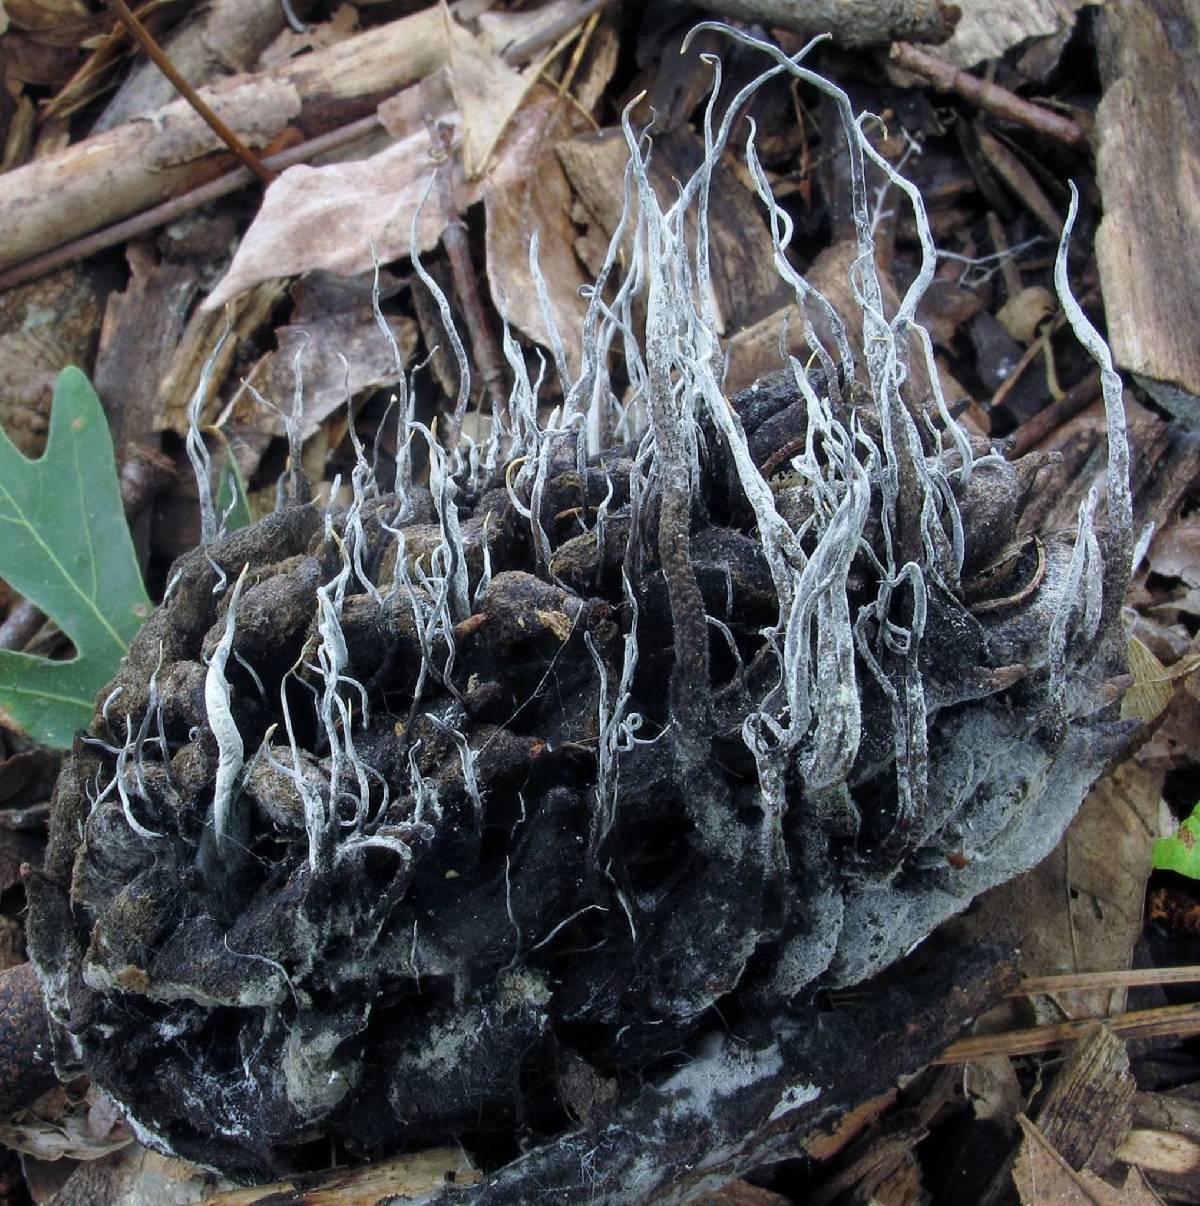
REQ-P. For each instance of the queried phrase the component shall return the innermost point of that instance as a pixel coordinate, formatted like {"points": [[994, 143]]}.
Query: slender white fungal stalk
{"points": [[230, 749], [1118, 540], [210, 528], [456, 343]]}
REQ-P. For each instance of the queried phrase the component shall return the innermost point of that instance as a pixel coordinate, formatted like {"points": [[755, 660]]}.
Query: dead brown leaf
{"points": [[1023, 314], [1153, 683], [331, 217], [332, 319], [754, 350], [246, 314], [137, 1174], [64, 18], [1081, 909], [59, 1125], [1175, 552], [527, 193]]}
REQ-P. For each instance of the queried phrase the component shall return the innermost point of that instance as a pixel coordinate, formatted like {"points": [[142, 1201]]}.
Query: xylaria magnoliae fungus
{"points": [[672, 708]]}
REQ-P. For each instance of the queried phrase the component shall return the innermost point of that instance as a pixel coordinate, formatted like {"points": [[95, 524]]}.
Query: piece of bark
{"points": [[822, 1145], [851, 22], [871, 1163], [1164, 462], [1134, 1190], [25, 1068], [1167, 1112], [1019, 178], [141, 330], [529, 193], [109, 176], [245, 314], [1147, 143], [44, 326], [1089, 1108], [331, 319], [1164, 1141], [753, 350], [133, 1175]]}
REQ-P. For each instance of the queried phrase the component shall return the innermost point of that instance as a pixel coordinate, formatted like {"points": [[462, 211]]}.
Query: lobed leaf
{"points": [[65, 546]]}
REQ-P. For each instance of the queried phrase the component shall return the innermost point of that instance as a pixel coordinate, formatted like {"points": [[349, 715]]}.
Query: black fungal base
{"points": [[479, 939]]}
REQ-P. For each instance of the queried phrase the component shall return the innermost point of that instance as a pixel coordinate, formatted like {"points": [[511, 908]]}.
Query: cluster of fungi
{"points": [[545, 796]]}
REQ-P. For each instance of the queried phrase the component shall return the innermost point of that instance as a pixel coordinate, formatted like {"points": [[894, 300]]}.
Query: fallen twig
{"points": [[109, 177], [850, 22], [176, 207], [945, 77], [522, 52], [1029, 435], [1176, 1020], [454, 239], [413, 56], [1135, 978]]}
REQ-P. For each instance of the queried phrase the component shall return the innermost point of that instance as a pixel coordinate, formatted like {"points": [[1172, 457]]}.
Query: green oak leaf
{"points": [[65, 546], [1181, 851]]}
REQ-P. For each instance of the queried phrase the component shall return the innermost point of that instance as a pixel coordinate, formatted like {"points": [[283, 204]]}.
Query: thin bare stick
{"points": [[154, 52], [1030, 434], [176, 207], [1032, 352], [945, 77], [1136, 978], [1174, 1020]]}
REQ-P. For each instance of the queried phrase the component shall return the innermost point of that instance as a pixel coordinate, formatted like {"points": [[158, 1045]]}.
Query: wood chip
{"points": [[1088, 1110], [1147, 151]]}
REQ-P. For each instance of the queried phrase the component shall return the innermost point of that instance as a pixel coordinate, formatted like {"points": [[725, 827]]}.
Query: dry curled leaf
{"points": [[344, 216], [332, 217], [1021, 315], [987, 28], [1153, 683], [487, 92]]}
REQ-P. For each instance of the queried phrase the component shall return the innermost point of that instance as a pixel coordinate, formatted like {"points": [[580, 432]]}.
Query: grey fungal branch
{"points": [[476, 810]]}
